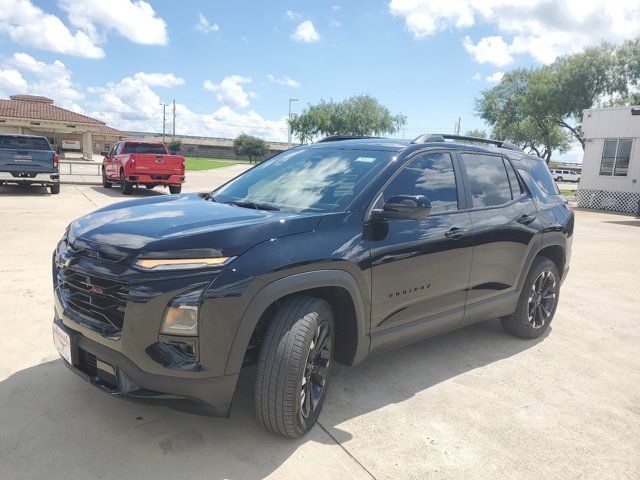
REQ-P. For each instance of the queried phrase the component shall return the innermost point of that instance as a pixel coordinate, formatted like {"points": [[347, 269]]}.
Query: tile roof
{"points": [[34, 107]]}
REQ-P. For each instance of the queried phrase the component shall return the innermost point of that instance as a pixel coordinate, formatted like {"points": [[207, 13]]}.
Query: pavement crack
{"points": [[346, 451]]}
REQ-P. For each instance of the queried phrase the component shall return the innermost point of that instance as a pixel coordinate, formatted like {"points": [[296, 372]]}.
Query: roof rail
{"points": [[427, 137], [337, 138]]}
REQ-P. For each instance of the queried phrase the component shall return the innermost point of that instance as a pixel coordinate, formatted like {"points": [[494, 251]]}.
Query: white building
{"points": [[611, 166]]}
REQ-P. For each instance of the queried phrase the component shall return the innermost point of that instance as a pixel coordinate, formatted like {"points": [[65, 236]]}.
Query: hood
{"points": [[184, 223]]}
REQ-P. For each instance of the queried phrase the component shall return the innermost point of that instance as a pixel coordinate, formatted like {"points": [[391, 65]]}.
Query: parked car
{"points": [[142, 163], [326, 252], [28, 160], [562, 175]]}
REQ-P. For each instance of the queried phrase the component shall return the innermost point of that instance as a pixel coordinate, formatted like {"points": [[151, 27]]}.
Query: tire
{"points": [[105, 181], [173, 189], [126, 187], [544, 276], [294, 365], [559, 179], [55, 189]]}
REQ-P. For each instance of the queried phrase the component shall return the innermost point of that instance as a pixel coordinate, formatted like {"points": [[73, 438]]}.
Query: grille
{"points": [[101, 303], [87, 362], [85, 252]]}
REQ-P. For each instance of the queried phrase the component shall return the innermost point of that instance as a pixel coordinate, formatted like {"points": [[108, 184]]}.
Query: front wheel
{"points": [[175, 189], [538, 301], [105, 181], [293, 366], [559, 179]]}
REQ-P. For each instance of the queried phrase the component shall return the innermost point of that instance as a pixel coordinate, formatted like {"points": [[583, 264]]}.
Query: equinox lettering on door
{"points": [[409, 291]]}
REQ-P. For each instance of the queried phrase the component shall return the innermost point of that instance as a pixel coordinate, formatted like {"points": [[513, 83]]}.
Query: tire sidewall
{"points": [[522, 312]]}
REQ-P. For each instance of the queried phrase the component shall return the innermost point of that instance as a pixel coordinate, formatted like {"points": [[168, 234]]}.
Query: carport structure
{"points": [[36, 115]]}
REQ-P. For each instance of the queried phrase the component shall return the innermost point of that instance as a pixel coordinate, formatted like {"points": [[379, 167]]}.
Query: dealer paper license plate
{"points": [[62, 341]]}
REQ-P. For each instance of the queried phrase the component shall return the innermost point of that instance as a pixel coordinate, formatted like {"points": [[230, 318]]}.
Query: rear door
{"points": [[420, 268], [25, 154], [505, 227]]}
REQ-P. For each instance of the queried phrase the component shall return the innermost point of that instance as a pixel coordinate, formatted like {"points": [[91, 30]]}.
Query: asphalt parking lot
{"points": [[475, 403]]}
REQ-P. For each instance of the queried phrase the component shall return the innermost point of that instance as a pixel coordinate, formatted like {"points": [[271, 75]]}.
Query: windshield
{"points": [[306, 179], [24, 143], [156, 148]]}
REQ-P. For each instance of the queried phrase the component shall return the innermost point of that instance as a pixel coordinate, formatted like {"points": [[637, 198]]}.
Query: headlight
{"points": [[181, 316], [160, 264]]}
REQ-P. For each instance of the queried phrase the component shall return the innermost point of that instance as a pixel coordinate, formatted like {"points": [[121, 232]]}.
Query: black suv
{"points": [[326, 252]]}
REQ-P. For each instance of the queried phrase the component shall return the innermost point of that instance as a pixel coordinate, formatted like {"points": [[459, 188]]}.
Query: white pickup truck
{"points": [[28, 160]]}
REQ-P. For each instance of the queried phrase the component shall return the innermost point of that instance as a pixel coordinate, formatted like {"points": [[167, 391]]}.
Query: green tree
{"points": [[477, 133], [250, 146], [359, 115], [174, 145]]}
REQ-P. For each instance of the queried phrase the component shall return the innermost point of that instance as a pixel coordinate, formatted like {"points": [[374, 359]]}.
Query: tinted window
{"points": [[488, 181], [155, 148], [307, 179], [430, 175], [540, 174], [516, 189], [24, 143]]}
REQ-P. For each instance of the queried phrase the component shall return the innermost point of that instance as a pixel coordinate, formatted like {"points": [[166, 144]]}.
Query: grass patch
{"points": [[192, 163], [568, 193]]}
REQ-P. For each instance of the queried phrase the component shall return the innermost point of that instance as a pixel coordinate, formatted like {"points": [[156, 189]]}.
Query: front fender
{"points": [[292, 284]]}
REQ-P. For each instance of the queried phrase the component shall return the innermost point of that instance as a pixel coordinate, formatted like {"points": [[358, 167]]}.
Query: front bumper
{"points": [[113, 373], [155, 179], [51, 178]]}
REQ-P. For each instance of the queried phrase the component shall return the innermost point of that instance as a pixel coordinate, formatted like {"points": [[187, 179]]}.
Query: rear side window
{"points": [[24, 143], [488, 181], [516, 189], [431, 175], [540, 174], [153, 148]]}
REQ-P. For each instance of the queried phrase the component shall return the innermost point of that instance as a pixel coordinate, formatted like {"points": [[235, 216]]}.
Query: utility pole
{"points": [[174, 119], [458, 126], [289, 123], [164, 118]]}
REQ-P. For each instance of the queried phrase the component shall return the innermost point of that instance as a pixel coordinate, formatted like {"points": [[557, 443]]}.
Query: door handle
{"points": [[455, 233], [526, 219]]}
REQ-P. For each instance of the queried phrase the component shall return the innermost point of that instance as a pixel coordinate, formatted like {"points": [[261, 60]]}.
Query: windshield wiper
{"points": [[248, 204]]}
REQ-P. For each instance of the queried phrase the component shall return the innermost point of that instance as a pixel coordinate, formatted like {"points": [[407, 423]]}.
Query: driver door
{"points": [[420, 268]]}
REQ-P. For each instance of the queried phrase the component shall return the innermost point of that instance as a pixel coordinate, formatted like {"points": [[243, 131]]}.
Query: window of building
{"points": [[488, 180], [615, 157], [431, 175]]}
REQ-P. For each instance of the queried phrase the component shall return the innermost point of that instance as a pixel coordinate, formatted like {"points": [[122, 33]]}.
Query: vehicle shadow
{"points": [[23, 190], [136, 192], [52, 421]]}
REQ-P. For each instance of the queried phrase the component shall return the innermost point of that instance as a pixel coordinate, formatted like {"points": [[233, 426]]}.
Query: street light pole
{"points": [[164, 118], [289, 124]]}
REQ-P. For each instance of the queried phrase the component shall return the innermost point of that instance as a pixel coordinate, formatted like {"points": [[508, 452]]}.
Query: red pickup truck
{"points": [[142, 163]]}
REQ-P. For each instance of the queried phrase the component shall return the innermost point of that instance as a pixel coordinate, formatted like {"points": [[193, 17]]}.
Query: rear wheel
{"points": [[175, 189], [55, 189], [105, 181], [537, 303], [559, 179], [293, 366], [126, 186]]}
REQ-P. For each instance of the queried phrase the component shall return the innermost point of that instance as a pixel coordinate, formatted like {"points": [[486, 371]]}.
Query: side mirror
{"points": [[104, 154], [405, 207]]}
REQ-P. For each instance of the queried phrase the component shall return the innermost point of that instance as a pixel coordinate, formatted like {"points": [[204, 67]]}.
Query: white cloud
{"points": [[543, 29], [30, 76], [230, 91], [477, 76], [12, 79], [28, 25], [288, 81], [495, 77], [135, 20], [294, 16], [306, 32], [204, 26], [159, 79], [489, 50]]}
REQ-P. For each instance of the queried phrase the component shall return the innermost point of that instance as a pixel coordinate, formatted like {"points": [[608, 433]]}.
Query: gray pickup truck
{"points": [[28, 160]]}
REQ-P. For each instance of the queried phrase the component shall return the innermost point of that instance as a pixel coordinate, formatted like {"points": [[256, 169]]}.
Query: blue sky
{"points": [[232, 65]]}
